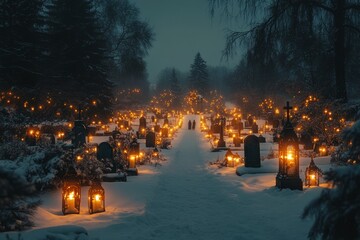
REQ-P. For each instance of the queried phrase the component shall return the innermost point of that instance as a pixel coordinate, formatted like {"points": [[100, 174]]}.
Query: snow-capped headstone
{"points": [[252, 151], [150, 139]]}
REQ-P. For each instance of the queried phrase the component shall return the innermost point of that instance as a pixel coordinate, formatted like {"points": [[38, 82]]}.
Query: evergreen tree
{"points": [[77, 55], [175, 87], [16, 204], [198, 78], [20, 44]]}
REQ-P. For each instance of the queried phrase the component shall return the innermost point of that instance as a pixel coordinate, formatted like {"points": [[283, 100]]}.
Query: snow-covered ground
{"points": [[185, 198]]}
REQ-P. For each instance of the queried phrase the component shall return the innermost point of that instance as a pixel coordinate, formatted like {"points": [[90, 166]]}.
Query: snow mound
{"points": [[267, 166]]}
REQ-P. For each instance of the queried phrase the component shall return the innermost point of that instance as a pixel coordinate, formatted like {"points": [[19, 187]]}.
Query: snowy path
{"points": [[189, 202], [186, 199]]}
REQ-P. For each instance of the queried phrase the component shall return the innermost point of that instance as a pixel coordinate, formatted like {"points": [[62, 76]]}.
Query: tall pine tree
{"points": [[199, 79], [77, 55], [20, 44]]}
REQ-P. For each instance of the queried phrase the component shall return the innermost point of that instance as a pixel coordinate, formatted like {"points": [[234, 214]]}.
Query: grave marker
{"points": [[252, 151]]}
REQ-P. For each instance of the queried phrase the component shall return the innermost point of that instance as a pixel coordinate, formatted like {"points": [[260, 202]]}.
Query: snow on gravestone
{"points": [[252, 151]]}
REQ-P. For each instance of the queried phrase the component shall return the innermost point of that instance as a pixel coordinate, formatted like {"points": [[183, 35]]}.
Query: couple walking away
{"points": [[193, 124]]}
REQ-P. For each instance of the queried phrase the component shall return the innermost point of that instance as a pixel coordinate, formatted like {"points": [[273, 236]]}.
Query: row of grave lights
{"points": [[71, 191], [288, 174]]}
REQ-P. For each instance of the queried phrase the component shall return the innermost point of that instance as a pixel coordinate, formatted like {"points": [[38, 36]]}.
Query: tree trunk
{"points": [[339, 48]]}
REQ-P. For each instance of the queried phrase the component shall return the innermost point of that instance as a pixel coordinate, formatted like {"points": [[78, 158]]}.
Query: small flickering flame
{"points": [[97, 197], [312, 176], [71, 195]]}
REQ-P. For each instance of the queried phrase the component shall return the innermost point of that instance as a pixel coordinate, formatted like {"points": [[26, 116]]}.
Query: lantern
{"points": [[155, 153], [288, 174], [229, 158], [323, 150], [96, 198], [132, 161], [312, 174], [71, 195], [237, 159]]}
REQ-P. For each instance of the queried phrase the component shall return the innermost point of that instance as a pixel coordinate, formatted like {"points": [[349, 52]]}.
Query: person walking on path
{"points": [[189, 124], [193, 124]]}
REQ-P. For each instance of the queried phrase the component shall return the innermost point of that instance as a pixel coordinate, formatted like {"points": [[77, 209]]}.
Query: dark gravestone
{"points": [[116, 134], [306, 140], [30, 140], [157, 128], [255, 128], [215, 125], [79, 133], [235, 123], [221, 142], [252, 151], [104, 151], [142, 123], [261, 139], [164, 132], [150, 140], [142, 128], [250, 120], [166, 122]]}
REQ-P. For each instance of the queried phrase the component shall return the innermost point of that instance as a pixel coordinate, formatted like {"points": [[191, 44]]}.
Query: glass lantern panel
{"points": [[290, 160]]}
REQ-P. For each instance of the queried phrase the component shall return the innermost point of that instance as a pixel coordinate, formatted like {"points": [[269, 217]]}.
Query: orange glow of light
{"points": [[71, 195]]}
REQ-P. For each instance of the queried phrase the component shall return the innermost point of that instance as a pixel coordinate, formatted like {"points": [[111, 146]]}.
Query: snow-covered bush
{"points": [[89, 168], [337, 210], [17, 202], [349, 150], [44, 166], [13, 150]]}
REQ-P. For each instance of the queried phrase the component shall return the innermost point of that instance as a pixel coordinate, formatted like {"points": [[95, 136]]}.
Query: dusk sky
{"points": [[182, 28]]}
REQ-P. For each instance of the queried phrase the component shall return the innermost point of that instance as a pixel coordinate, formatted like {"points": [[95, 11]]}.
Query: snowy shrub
{"points": [[349, 150], [17, 203], [89, 168], [337, 211], [14, 150]]}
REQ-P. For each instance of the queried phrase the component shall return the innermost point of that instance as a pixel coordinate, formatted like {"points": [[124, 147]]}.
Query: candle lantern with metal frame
{"points": [[71, 195], [96, 198], [288, 174], [312, 174]]}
